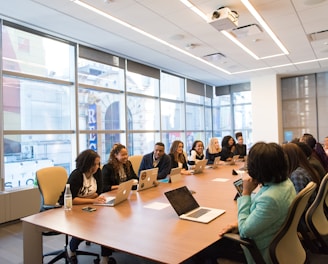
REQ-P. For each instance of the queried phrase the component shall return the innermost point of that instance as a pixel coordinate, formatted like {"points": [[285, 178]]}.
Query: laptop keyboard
{"points": [[198, 213]]}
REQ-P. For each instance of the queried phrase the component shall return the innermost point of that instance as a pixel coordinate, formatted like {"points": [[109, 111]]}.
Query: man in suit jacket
{"points": [[157, 159]]}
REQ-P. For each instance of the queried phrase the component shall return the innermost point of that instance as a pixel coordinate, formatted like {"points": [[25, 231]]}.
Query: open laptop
{"points": [[199, 166], [233, 160], [175, 175], [216, 162], [122, 194], [147, 179], [188, 208]]}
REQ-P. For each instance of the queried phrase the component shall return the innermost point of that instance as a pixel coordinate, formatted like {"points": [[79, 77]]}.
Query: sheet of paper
{"points": [[220, 180], [157, 205]]}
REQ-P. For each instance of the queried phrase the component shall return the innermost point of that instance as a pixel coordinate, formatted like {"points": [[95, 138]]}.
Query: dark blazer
{"points": [[164, 165], [240, 150], [211, 156], [112, 177], [226, 153], [175, 164]]}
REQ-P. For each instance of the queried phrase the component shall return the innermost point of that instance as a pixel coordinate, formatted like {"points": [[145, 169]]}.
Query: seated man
{"points": [[157, 159]]}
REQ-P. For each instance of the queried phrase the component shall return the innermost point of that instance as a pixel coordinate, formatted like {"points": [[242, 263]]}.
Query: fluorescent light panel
{"points": [[198, 12], [121, 22], [257, 16]]}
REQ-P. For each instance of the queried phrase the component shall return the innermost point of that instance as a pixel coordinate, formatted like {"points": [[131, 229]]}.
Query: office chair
{"points": [[316, 219], [51, 183], [286, 246], [136, 161]]}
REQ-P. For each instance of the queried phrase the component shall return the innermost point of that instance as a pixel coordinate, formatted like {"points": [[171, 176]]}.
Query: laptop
{"points": [[122, 194], [244, 168], [187, 208], [216, 162], [199, 166], [147, 179], [233, 160], [175, 175]]}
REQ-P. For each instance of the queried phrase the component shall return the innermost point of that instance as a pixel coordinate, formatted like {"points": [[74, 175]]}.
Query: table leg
{"points": [[32, 243]]}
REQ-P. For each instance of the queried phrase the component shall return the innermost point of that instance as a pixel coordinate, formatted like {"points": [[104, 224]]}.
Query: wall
{"points": [[17, 204], [266, 109]]}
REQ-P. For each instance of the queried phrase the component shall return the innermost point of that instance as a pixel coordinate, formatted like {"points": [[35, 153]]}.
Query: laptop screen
{"points": [[181, 200]]}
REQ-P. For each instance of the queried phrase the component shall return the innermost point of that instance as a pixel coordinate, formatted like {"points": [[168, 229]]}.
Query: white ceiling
{"points": [[291, 20]]}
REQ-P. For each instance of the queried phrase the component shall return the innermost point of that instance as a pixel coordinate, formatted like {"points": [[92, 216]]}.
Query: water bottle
{"points": [[68, 204]]}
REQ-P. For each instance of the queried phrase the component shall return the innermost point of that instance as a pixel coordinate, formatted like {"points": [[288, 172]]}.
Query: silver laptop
{"points": [[147, 179], [186, 206], [199, 166], [216, 162], [122, 194], [233, 160], [175, 175]]}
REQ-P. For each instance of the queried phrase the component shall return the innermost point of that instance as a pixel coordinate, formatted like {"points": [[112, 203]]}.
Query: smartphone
{"points": [[89, 209], [239, 186]]}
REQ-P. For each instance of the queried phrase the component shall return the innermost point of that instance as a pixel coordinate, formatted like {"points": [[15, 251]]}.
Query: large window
{"points": [[57, 104], [172, 109], [232, 112], [38, 99], [304, 105]]}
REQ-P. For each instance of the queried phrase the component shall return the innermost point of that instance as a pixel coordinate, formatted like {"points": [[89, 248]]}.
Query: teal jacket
{"points": [[260, 216]]}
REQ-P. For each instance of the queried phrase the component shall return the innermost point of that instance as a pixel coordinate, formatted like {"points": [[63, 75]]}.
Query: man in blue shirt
{"points": [[157, 159]]}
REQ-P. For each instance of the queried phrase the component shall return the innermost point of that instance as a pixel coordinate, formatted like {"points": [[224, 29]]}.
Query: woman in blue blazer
{"points": [[260, 216]]}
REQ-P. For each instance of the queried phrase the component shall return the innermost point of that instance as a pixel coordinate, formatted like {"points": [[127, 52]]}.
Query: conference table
{"points": [[145, 225]]}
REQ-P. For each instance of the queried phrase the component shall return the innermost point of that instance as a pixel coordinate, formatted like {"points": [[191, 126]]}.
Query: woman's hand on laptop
{"points": [[100, 199]]}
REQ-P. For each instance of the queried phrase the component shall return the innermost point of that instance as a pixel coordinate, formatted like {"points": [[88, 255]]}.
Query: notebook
{"points": [[216, 162], [175, 175], [188, 208], [147, 179], [122, 194], [199, 166]]}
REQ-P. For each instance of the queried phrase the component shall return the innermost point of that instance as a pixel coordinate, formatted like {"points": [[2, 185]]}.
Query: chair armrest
{"points": [[249, 244], [48, 207]]}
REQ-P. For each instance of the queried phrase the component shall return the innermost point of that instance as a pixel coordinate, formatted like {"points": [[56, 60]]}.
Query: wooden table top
{"points": [[150, 233]]}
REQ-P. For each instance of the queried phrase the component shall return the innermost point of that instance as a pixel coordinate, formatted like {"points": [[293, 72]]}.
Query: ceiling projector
{"points": [[224, 19]]}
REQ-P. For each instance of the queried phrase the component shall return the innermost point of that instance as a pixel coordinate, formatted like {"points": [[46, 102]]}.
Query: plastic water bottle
{"points": [[68, 204]]}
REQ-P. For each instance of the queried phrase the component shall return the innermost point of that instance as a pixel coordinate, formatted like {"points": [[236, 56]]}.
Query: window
{"points": [[232, 112], [56, 105], [38, 99], [304, 105]]}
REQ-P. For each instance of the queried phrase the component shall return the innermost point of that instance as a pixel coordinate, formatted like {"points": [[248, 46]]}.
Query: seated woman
{"points": [[260, 216], [240, 147], [118, 169], [300, 170], [178, 159], [316, 165], [196, 152], [86, 186], [228, 148], [213, 150]]}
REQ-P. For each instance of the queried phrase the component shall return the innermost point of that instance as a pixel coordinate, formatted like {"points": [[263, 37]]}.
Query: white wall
{"points": [[266, 109]]}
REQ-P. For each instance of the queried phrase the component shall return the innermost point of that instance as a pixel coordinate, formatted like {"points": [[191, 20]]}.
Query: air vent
{"points": [[318, 35], [248, 30], [214, 57]]}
